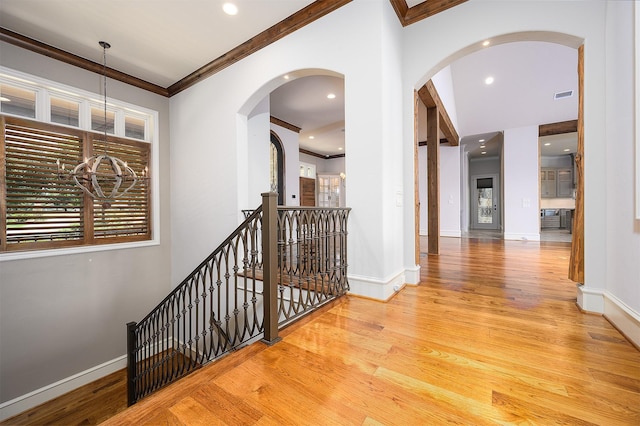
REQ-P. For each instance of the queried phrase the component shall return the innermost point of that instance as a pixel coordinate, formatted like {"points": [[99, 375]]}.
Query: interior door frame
{"points": [[473, 208]]}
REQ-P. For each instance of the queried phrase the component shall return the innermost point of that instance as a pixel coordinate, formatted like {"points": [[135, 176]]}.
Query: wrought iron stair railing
{"points": [[279, 264]]}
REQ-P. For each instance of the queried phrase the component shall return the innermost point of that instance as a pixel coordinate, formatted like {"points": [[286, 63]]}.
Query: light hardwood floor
{"points": [[492, 335]]}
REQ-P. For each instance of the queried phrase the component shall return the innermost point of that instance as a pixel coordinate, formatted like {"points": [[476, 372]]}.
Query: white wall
{"points": [[259, 153], [63, 315], [513, 21], [200, 124], [450, 191], [520, 183], [622, 293]]}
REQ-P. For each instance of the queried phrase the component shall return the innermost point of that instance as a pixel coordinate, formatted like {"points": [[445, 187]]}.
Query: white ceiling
{"points": [[160, 41], [166, 42]]}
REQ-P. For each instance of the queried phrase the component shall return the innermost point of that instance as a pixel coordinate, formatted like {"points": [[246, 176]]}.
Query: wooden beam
{"points": [[66, 57], [323, 156], [429, 96], [559, 128], [433, 181], [303, 17], [408, 16], [284, 124], [576, 263]]}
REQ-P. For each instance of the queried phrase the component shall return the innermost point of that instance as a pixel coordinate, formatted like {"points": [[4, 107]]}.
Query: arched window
{"points": [[276, 170]]}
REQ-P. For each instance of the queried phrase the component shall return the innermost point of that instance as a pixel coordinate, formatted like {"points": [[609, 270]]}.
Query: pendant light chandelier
{"points": [[103, 177]]}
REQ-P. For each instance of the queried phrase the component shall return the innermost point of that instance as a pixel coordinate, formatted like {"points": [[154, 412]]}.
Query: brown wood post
{"points": [[416, 177], [433, 179], [270, 265], [576, 263]]}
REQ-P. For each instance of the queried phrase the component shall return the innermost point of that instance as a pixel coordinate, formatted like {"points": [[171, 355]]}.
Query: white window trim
{"points": [[152, 131]]}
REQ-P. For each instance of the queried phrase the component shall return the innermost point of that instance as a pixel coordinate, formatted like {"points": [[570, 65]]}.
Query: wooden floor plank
{"points": [[491, 335]]}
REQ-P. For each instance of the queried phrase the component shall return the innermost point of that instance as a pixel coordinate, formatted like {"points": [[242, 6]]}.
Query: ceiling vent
{"points": [[562, 95]]}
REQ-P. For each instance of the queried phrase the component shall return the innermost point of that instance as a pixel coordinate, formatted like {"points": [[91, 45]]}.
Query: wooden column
{"points": [[576, 263], [416, 176], [433, 179]]}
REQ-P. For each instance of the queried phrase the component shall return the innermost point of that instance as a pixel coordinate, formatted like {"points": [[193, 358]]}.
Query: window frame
{"points": [[45, 89]]}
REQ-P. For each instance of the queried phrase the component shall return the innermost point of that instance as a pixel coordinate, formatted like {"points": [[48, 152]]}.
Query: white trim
{"points": [[374, 288], [622, 316], [18, 255], [54, 390], [412, 275], [521, 237], [625, 319], [590, 299], [455, 233]]}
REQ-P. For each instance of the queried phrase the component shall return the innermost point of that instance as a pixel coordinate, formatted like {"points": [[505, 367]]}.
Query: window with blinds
{"points": [[41, 210]]}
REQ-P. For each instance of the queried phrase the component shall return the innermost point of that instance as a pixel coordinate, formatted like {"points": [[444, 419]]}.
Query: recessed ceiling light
{"points": [[480, 140], [488, 80], [312, 137], [3, 99], [340, 148], [331, 96], [286, 77], [483, 152], [486, 43], [547, 144], [230, 9], [566, 150]]}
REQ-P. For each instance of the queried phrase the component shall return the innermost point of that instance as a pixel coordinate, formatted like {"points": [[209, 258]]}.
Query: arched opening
{"points": [[303, 111], [521, 114]]}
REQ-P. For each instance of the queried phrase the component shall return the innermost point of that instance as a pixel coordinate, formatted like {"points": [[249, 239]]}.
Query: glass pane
{"points": [[134, 128], [97, 120], [17, 101], [485, 205], [65, 112]]}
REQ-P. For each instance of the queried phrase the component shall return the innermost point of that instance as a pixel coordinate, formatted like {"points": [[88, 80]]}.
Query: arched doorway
{"points": [[533, 41]]}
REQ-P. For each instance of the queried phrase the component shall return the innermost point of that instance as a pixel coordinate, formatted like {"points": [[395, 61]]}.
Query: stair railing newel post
{"points": [[131, 363], [270, 266]]}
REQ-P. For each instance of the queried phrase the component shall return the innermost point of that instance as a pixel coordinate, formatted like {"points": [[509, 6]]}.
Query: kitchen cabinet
{"points": [[556, 183]]}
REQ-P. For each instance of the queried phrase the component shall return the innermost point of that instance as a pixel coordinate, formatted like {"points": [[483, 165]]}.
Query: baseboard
{"points": [[622, 317], [373, 288], [412, 275], [455, 233], [590, 300], [54, 390], [521, 237]]}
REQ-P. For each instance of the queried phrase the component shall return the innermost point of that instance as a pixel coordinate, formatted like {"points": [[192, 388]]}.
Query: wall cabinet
{"points": [[548, 183], [556, 183]]}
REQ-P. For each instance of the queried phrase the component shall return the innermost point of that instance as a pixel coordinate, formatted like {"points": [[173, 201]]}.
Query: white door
{"points": [[328, 191], [485, 207]]}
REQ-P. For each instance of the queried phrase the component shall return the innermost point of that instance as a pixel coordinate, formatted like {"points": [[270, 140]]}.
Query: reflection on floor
{"points": [[557, 235]]}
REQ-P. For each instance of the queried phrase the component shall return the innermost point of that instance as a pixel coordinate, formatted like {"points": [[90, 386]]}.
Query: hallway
{"points": [[492, 335]]}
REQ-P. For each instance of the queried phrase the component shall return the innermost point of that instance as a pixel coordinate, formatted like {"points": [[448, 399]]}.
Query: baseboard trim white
{"points": [[412, 275], [374, 288], [590, 299], [54, 390], [625, 319], [618, 313], [455, 233], [521, 237]]}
